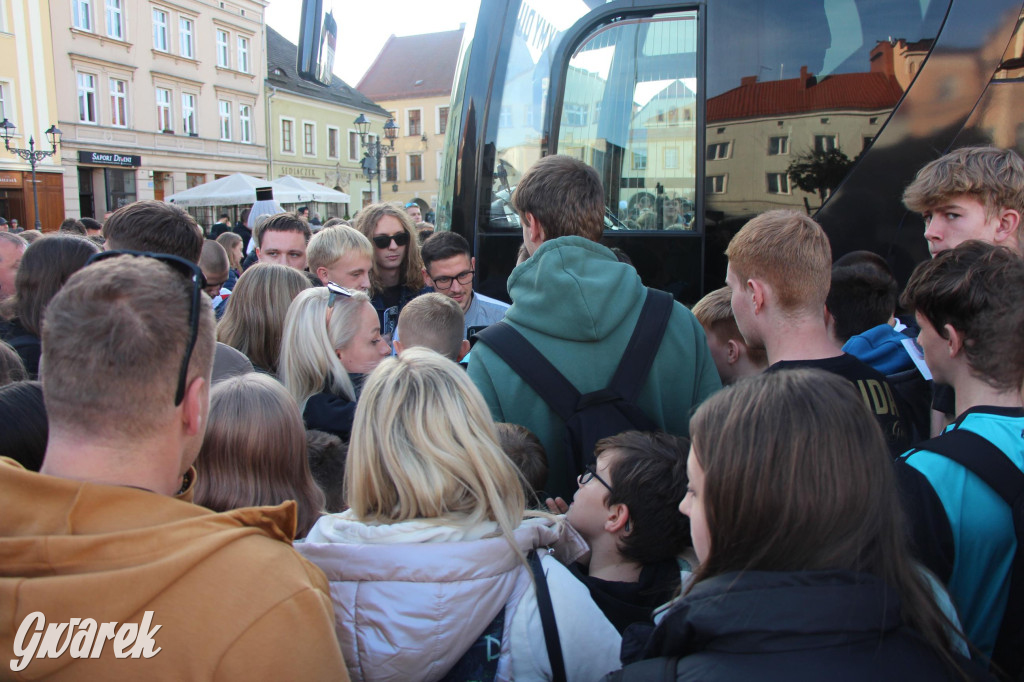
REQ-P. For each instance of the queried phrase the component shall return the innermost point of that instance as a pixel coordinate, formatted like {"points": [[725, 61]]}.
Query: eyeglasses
{"points": [[590, 473], [336, 291], [382, 241], [192, 272], [445, 283]]}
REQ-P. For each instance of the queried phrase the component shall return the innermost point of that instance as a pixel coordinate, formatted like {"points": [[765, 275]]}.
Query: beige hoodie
{"points": [[232, 599]]}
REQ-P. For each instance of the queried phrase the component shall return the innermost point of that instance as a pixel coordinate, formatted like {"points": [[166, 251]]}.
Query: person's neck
{"points": [[607, 563], [140, 463], [390, 278], [799, 338], [972, 392]]}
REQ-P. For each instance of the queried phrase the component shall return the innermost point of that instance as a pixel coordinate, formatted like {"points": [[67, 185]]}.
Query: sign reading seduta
{"points": [[82, 638], [110, 159]]}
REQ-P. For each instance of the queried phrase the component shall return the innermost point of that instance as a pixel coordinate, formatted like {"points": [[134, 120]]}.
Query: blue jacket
{"points": [[882, 348]]}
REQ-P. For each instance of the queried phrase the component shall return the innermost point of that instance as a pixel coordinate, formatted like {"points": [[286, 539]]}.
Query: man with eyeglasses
{"points": [[96, 541], [449, 269]]}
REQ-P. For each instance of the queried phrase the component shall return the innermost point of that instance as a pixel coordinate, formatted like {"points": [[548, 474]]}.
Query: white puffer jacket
{"points": [[410, 598]]}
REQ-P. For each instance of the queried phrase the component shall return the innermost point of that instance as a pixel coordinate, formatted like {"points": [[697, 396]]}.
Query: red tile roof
{"points": [[413, 66], [864, 91]]}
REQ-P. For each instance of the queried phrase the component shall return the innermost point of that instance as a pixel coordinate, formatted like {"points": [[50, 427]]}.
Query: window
{"points": [[185, 31], [287, 136], [415, 127], [309, 139], [719, 150], [333, 140], [639, 160], [354, 152], [825, 143], [245, 123], [81, 14], [415, 167], [442, 120], [224, 109], [222, 49], [5, 90], [672, 158], [118, 103], [505, 119], [576, 114], [115, 19], [243, 54], [86, 98], [778, 146], [391, 168], [714, 184], [778, 183], [188, 114], [160, 30], [164, 123]]}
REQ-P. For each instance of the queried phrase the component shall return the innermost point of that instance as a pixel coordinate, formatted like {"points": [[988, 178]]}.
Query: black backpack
{"points": [[589, 418], [979, 456]]}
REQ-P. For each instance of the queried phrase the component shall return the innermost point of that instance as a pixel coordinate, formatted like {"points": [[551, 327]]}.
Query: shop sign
{"points": [[10, 179], [300, 171], [109, 159]]}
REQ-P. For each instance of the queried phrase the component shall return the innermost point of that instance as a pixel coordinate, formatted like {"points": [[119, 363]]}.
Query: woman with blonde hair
{"points": [[331, 339], [805, 571], [397, 274], [254, 451], [431, 557], [254, 319]]}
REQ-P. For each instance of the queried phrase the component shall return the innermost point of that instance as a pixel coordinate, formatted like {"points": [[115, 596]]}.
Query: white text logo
{"points": [[82, 638]]}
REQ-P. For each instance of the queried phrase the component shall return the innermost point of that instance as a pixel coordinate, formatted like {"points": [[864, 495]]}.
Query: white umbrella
{"points": [[309, 191], [234, 190]]}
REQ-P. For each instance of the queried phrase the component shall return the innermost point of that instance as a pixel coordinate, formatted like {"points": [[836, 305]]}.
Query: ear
{"points": [[195, 407], [472, 263], [954, 339], [426, 278], [1006, 231], [758, 292], [534, 229], [733, 351], [463, 349], [398, 346], [321, 274], [618, 517], [259, 256]]}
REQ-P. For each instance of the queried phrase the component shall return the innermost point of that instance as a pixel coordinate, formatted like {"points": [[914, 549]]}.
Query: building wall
{"points": [[29, 101], [150, 59], [342, 169], [427, 144]]}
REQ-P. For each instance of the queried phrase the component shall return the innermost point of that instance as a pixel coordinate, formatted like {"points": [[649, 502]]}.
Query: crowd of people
{"points": [[302, 468]]}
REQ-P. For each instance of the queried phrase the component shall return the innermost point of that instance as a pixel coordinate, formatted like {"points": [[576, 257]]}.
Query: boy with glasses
{"points": [[449, 268]]}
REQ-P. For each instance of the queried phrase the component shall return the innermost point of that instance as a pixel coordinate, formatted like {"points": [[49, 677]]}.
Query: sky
{"points": [[364, 27]]}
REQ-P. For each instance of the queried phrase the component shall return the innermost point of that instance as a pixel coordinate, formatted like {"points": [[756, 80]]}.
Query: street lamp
{"points": [[375, 150], [32, 155]]}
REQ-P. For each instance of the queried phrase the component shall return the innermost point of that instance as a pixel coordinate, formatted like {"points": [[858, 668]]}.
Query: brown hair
{"points": [[790, 252], [156, 227], [435, 322], [526, 451], [228, 241], [992, 176], [797, 477], [253, 321], [565, 195], [714, 312], [327, 454], [442, 246], [412, 264], [282, 222], [45, 266], [113, 343], [976, 288], [254, 451], [649, 476], [214, 258], [73, 225], [12, 369]]}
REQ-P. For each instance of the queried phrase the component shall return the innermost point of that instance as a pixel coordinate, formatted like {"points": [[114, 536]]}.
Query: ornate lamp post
{"points": [[32, 155], [375, 150]]}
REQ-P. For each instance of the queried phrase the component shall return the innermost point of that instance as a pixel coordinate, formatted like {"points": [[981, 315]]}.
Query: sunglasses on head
{"points": [[336, 291], [194, 275], [382, 241]]}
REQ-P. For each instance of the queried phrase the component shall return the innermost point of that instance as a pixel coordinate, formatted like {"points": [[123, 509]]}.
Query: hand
{"points": [[556, 505]]}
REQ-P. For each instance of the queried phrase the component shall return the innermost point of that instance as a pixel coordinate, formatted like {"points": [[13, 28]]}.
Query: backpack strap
{"points": [[547, 618], [978, 455], [532, 367], [643, 345]]}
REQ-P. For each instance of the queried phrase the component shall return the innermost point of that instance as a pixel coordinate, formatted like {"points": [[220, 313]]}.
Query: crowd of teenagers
{"points": [[301, 470]]}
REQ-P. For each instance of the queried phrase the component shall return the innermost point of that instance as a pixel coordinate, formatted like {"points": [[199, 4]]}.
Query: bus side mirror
{"points": [[318, 36]]}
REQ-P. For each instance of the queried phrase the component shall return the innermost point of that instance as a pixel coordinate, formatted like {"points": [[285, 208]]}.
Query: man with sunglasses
{"points": [[449, 269], [97, 541]]}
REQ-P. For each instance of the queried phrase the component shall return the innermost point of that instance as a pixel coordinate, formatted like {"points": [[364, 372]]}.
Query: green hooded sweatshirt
{"points": [[578, 305]]}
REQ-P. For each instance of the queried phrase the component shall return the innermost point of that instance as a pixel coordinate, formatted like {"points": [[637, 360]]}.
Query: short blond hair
{"points": [[714, 312], [993, 176], [790, 252], [113, 342], [332, 243], [433, 321]]}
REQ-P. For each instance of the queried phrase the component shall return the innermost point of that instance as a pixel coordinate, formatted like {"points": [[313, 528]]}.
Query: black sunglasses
{"points": [[382, 241], [191, 272]]}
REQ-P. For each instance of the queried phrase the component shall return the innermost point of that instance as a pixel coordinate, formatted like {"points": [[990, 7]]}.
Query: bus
{"points": [[700, 115]]}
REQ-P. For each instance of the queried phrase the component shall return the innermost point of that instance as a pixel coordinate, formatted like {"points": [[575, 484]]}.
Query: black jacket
{"points": [[816, 625], [333, 413]]}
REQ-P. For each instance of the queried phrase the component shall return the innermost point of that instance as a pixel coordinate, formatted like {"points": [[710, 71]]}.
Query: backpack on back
{"points": [[590, 417]]}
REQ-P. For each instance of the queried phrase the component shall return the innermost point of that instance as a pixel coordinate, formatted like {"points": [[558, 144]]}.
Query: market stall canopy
{"points": [[311, 191], [237, 190]]}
